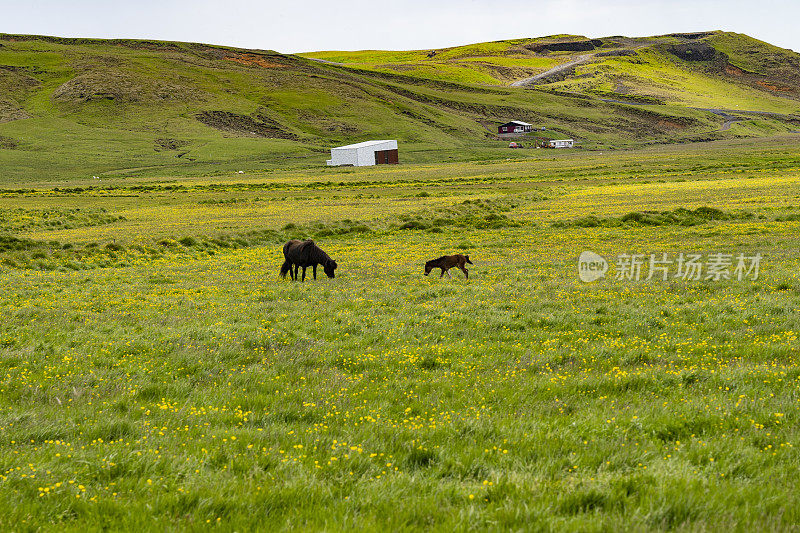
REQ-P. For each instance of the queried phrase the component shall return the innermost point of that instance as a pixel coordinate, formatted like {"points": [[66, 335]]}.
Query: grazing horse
{"points": [[305, 254], [446, 262]]}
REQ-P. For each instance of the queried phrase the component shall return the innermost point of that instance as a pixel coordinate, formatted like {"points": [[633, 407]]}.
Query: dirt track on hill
{"points": [[729, 116], [555, 70], [325, 61], [584, 58]]}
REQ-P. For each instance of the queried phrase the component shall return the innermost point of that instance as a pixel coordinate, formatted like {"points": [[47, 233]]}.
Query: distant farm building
{"points": [[560, 143], [515, 126], [365, 154]]}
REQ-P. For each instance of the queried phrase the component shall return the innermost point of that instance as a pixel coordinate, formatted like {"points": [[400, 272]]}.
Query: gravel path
{"points": [[325, 61], [734, 115], [555, 70], [727, 117]]}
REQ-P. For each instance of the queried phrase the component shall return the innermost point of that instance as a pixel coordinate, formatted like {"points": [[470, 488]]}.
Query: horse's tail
{"points": [[285, 268], [468, 261]]}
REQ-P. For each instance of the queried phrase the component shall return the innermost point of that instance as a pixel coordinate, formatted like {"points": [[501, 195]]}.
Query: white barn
{"points": [[365, 154]]}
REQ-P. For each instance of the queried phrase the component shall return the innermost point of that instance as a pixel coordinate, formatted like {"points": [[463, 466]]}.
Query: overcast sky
{"points": [[308, 25]]}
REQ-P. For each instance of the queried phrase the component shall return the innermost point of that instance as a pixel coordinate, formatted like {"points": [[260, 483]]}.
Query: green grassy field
{"points": [[155, 372]]}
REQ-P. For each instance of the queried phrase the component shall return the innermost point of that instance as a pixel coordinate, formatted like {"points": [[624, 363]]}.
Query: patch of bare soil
{"points": [[7, 143], [109, 85], [763, 82], [88, 87], [775, 87], [253, 60], [670, 125], [169, 144], [733, 71], [323, 122], [22, 70], [712, 61], [256, 125], [11, 111], [17, 82], [332, 126]]}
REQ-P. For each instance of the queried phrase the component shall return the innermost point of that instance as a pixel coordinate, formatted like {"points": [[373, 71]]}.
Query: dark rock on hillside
{"points": [[694, 51], [570, 46], [692, 36]]}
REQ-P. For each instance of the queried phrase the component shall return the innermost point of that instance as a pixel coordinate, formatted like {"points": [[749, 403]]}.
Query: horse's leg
{"points": [[466, 272], [296, 272], [315, 271], [304, 274]]}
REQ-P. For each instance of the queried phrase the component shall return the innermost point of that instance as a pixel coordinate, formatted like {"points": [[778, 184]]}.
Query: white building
{"points": [[365, 154], [561, 143]]}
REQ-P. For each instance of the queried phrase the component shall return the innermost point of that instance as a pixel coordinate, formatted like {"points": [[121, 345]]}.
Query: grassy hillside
{"points": [[497, 62], [715, 68], [77, 108], [490, 63]]}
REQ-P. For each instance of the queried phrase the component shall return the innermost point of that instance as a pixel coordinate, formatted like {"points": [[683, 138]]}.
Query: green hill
{"points": [[707, 68], [82, 107]]}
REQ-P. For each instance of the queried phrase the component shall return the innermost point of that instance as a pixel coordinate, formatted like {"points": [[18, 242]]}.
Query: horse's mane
{"points": [[314, 252]]}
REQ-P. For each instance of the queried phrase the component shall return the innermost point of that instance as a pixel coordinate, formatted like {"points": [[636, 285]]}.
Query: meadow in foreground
{"points": [[189, 387]]}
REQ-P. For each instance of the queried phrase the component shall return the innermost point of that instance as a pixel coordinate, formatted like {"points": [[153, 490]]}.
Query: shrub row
{"points": [[676, 217]]}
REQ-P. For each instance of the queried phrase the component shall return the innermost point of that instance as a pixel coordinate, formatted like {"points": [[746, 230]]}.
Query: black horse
{"points": [[305, 254]]}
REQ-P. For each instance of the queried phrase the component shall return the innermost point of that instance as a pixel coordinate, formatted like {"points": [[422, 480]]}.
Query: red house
{"points": [[515, 126]]}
